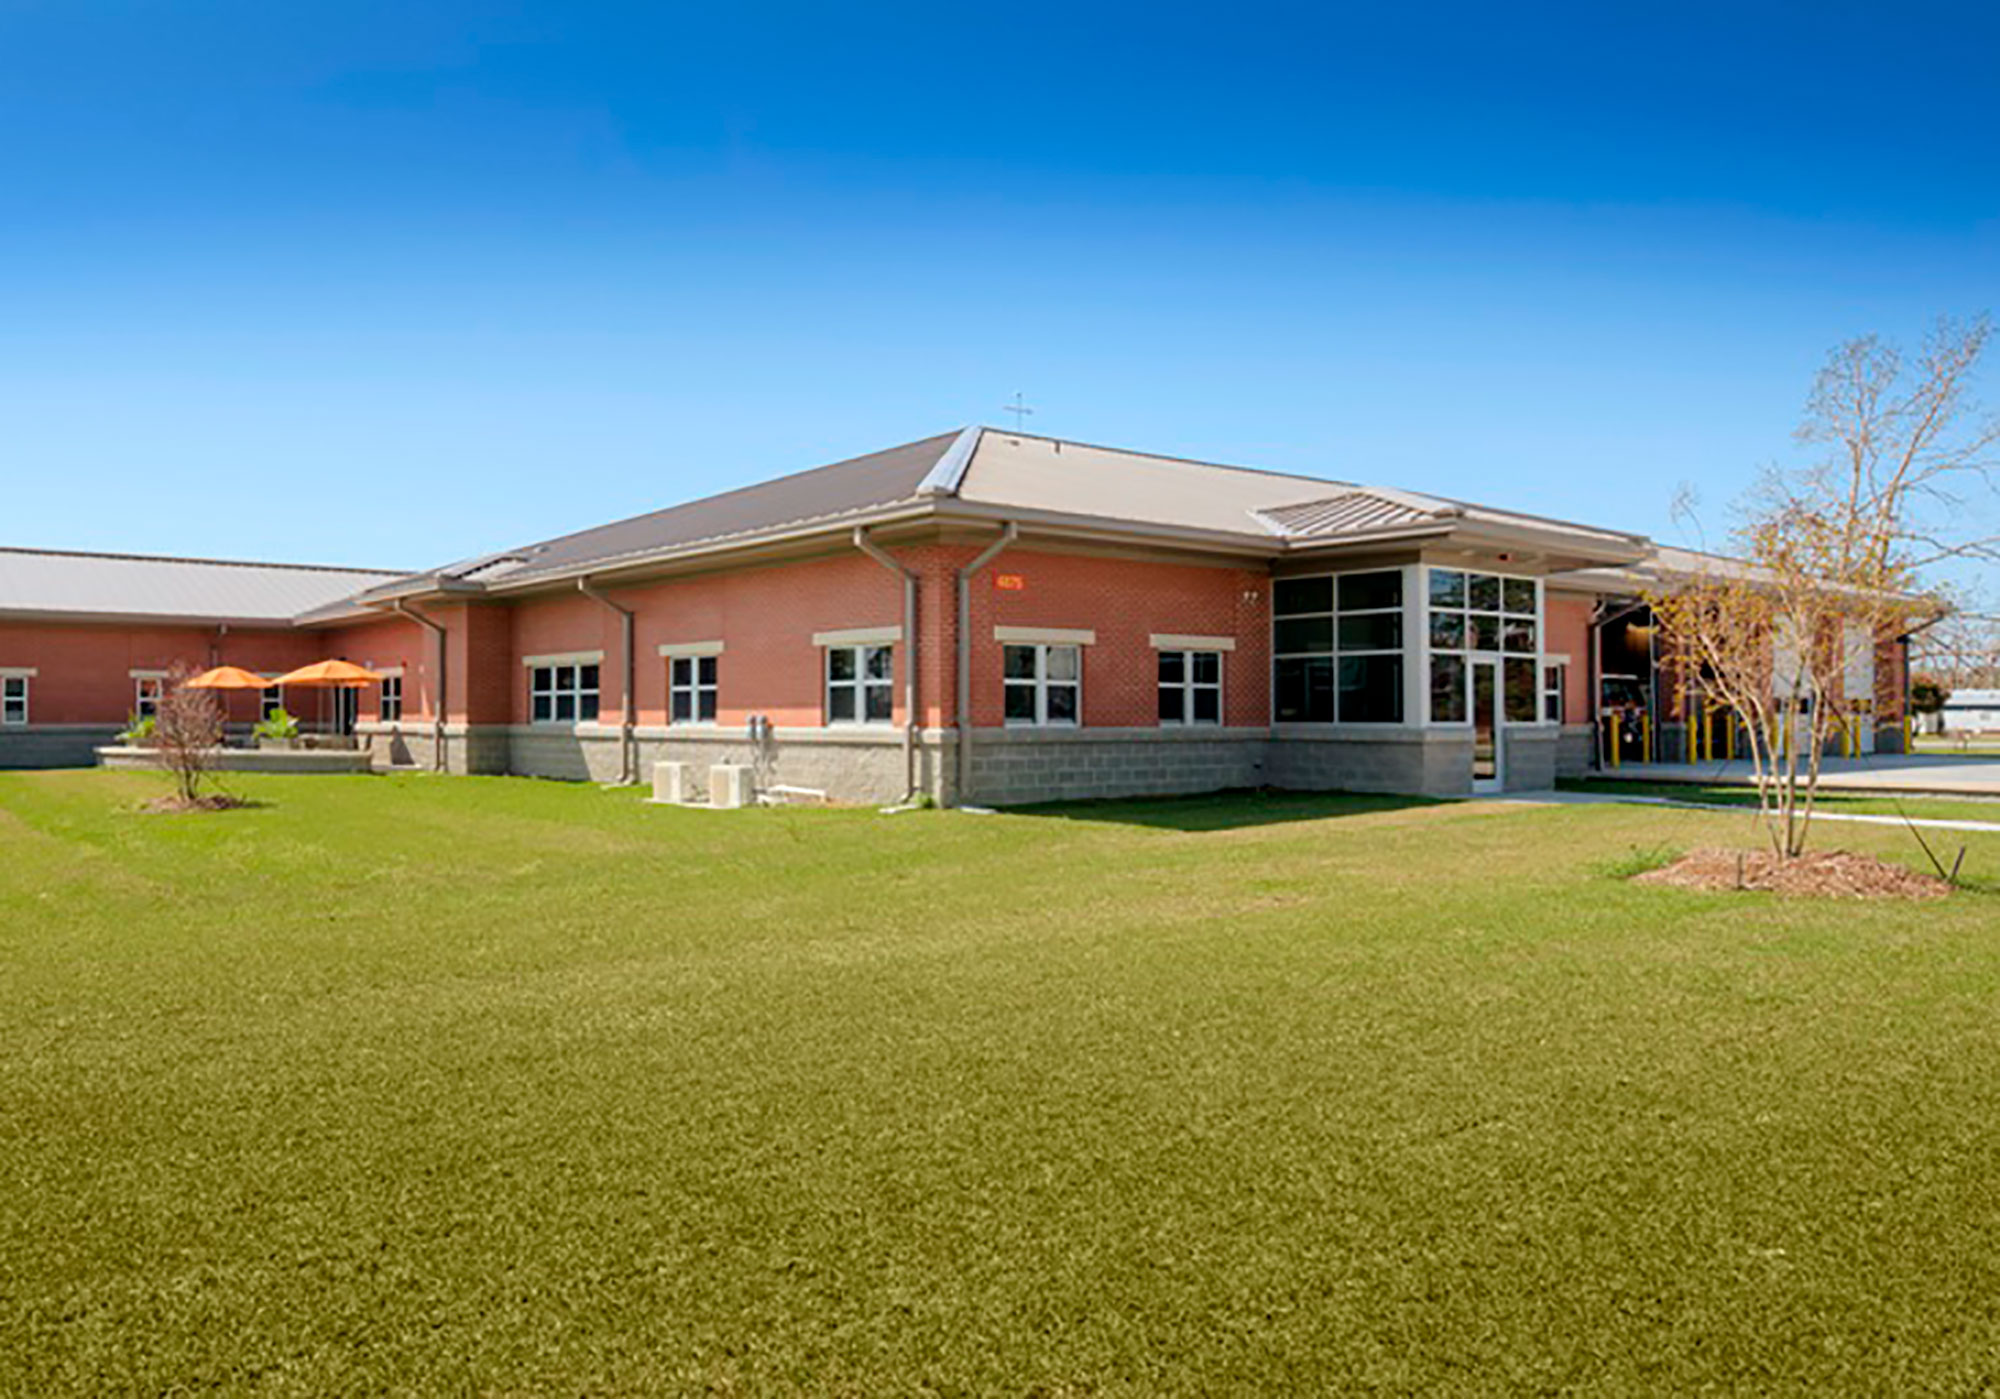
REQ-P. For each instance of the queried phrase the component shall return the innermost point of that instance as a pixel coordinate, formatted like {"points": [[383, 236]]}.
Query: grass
{"points": [[1829, 800], [1973, 745], [419, 1085]]}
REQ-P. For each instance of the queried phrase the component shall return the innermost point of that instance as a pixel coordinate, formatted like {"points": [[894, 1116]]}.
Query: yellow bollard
{"points": [[1645, 738]]}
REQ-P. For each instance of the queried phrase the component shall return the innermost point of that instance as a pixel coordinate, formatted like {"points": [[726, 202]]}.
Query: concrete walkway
{"points": [[1929, 823], [1931, 774]]}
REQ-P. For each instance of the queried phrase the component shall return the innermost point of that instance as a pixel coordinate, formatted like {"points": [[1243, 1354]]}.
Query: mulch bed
{"points": [[1829, 874], [215, 801]]}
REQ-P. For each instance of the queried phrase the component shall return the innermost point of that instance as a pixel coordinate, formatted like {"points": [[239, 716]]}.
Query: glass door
{"points": [[1486, 770], [346, 709]]}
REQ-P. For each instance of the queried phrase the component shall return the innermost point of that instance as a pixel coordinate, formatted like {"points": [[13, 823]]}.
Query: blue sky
{"points": [[395, 283]]}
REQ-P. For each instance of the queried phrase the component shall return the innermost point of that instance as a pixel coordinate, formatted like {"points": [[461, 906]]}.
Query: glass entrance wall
{"points": [[1471, 614]]}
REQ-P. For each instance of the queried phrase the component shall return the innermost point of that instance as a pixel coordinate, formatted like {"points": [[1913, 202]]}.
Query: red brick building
{"points": [[981, 616]]}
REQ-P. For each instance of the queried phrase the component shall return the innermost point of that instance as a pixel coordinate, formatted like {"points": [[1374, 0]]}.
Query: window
{"points": [[146, 696], [1448, 690], [1523, 694], [562, 694], [1190, 687], [860, 684], [1044, 684], [270, 700], [1338, 648], [1482, 612], [13, 699], [1555, 682], [691, 689], [392, 698]]}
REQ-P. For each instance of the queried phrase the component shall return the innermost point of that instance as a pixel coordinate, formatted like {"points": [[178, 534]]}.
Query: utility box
{"points": [[671, 783], [729, 786]]}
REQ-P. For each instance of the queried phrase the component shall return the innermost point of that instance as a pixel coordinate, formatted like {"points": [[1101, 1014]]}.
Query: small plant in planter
{"points": [[281, 730], [139, 732]]}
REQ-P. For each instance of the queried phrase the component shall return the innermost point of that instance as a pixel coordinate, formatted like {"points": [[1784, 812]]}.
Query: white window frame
{"points": [[270, 700], [15, 697], [1555, 697], [1468, 652], [147, 705], [1041, 684], [391, 698], [694, 687], [1187, 686], [859, 685], [576, 692]]}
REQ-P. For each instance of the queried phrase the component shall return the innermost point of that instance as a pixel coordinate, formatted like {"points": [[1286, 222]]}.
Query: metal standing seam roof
{"points": [[823, 493], [132, 585], [1351, 512], [1007, 473]]}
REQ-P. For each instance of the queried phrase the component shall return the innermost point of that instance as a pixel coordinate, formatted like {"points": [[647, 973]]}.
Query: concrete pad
{"points": [[1899, 774]]}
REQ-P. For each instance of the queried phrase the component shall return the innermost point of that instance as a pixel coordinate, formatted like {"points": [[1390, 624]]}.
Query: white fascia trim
{"points": [[147, 674], [1045, 636], [566, 658], [859, 636], [690, 648], [1174, 641], [18, 672], [949, 474]]}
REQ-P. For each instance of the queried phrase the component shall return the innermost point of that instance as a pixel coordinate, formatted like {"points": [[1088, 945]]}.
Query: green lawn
{"points": [[420, 1085]]}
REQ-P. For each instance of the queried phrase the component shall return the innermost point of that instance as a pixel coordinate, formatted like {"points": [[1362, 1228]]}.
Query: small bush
{"points": [[280, 725], [139, 732]]}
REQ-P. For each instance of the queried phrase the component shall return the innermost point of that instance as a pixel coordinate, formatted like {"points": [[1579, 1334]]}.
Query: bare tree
{"points": [[1834, 556], [1962, 652], [187, 727]]}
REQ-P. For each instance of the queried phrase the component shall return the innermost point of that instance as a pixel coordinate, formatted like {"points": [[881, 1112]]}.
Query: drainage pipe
{"points": [[911, 778], [964, 726], [628, 757], [437, 630]]}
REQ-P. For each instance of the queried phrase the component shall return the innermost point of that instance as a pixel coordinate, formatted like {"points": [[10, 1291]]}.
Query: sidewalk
{"points": [[1954, 775], [1929, 823]]}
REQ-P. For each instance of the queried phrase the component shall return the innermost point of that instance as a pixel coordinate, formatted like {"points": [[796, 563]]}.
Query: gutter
{"points": [[965, 575], [437, 630], [911, 719], [628, 754]]}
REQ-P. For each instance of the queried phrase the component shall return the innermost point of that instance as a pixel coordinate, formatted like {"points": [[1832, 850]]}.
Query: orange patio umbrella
{"points": [[227, 677], [327, 675]]}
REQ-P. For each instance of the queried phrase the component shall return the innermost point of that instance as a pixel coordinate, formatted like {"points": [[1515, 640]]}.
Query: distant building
{"points": [[1970, 711]]}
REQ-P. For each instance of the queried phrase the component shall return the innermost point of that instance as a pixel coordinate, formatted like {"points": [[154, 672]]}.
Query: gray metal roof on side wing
{"points": [[823, 493], [60, 583]]}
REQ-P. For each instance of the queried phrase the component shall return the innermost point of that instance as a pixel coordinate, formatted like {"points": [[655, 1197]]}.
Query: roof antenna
{"points": [[1021, 411]]}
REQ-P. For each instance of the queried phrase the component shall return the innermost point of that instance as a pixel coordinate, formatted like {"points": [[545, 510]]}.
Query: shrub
{"points": [[280, 725], [139, 731]]}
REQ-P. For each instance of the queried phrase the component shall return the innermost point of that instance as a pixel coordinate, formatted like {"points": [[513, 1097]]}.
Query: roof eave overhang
{"points": [[74, 617]]}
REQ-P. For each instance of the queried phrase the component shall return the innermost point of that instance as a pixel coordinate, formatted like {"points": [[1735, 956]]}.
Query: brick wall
{"points": [[391, 642], [767, 616], [1566, 617], [84, 670], [1124, 601]]}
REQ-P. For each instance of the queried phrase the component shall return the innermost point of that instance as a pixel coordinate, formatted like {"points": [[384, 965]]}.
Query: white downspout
{"points": [[628, 756], [437, 630], [911, 782]]}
